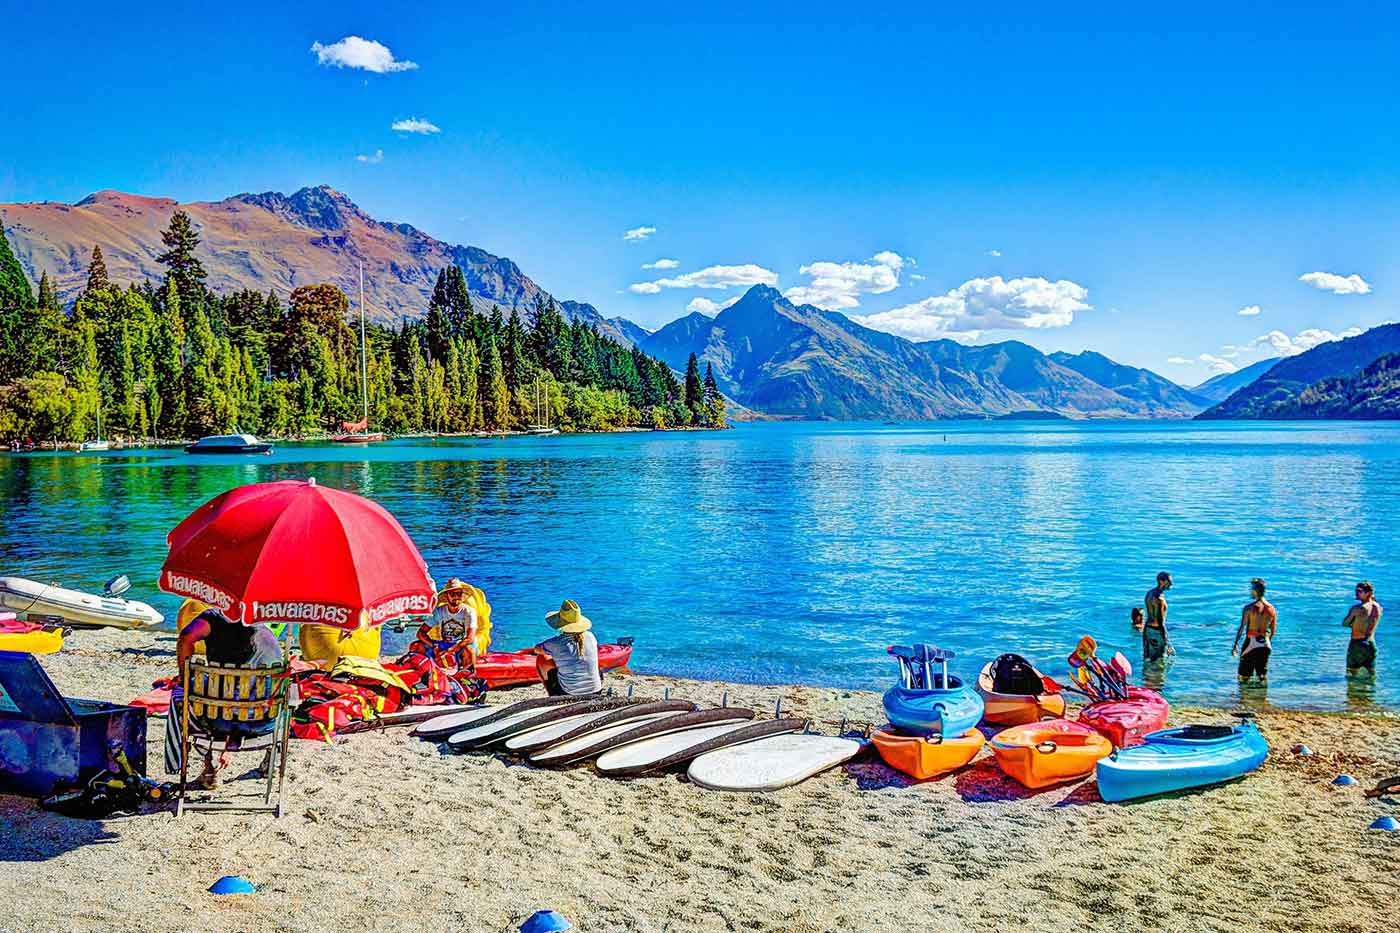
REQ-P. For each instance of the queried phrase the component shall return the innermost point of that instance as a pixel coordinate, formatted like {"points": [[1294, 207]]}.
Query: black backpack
{"points": [[1013, 674]]}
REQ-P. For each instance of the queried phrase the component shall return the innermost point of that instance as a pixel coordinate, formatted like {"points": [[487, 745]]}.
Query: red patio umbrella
{"points": [[296, 552]]}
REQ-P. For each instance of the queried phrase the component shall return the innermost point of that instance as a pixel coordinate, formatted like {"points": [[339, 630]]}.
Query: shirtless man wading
{"points": [[1154, 629], [1363, 619], [1258, 623]]}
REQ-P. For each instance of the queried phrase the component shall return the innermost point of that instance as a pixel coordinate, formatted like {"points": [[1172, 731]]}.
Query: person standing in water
{"points": [[1363, 619], [1258, 622], [1154, 630]]}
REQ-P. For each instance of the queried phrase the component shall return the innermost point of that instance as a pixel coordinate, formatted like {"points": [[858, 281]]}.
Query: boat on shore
{"points": [[99, 444], [37, 600], [229, 444]]}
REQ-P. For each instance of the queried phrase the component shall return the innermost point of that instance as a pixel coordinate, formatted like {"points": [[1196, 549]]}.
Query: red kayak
{"points": [[1125, 722], [510, 668]]}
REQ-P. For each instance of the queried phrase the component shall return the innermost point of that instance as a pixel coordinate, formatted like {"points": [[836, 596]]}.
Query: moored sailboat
{"points": [[357, 432]]}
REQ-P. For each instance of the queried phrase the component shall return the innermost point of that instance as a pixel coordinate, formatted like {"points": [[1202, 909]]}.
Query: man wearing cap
{"points": [[568, 662]]}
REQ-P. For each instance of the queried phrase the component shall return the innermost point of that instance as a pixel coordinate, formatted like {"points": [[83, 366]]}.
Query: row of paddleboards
{"points": [[721, 749]]}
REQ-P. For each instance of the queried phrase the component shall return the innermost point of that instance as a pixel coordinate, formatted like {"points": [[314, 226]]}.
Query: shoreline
{"points": [[387, 832]]}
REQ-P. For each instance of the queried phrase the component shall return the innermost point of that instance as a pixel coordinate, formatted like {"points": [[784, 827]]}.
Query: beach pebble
{"points": [[1386, 823], [1344, 779], [1302, 750]]}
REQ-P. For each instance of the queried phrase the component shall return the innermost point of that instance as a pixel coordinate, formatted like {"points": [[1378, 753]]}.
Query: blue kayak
{"points": [[1178, 759], [928, 700]]}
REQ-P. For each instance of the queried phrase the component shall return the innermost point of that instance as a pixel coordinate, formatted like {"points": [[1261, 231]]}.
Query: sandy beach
{"points": [[387, 832]]}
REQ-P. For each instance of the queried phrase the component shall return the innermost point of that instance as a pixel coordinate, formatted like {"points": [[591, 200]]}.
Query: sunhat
{"points": [[454, 585], [568, 619]]}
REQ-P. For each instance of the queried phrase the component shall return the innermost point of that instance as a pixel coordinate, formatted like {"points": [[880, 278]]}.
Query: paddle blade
{"points": [[1121, 666], [1049, 684]]}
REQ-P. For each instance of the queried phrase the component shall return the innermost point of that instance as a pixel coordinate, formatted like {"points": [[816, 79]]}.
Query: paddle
{"points": [[1109, 677], [1052, 686]]}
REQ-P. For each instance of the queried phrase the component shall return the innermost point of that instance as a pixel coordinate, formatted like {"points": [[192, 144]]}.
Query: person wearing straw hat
{"points": [[568, 662], [452, 633]]}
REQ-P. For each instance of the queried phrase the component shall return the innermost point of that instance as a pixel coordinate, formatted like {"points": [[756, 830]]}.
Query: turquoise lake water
{"points": [[797, 552]]}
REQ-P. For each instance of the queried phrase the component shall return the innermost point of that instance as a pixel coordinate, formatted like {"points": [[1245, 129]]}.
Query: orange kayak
{"points": [[1014, 709], [1039, 754], [921, 757]]}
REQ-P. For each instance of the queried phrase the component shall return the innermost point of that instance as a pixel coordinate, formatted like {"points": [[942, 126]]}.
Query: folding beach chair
{"points": [[224, 700]]}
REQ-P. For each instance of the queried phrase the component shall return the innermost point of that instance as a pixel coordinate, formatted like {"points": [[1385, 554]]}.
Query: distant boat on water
{"points": [[358, 432], [541, 429], [98, 444], [229, 444]]}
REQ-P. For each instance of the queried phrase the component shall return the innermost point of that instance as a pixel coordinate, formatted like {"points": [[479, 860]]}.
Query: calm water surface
{"points": [[797, 552]]}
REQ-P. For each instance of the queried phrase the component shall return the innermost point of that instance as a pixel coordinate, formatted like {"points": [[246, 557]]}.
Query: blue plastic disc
{"points": [[545, 921], [232, 884], [1344, 779], [1302, 750], [1386, 823]]}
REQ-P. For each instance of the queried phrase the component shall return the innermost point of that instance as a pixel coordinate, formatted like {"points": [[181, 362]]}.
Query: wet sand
{"points": [[387, 832]]}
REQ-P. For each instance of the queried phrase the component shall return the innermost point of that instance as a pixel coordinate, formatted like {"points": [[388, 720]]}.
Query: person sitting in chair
{"points": [[225, 642], [568, 662]]}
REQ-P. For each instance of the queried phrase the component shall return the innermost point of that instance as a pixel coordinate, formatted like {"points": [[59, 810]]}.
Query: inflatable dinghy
{"points": [[49, 600]]}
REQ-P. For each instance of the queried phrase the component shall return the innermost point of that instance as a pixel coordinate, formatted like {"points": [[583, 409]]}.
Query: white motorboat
{"points": [[49, 600], [229, 444]]}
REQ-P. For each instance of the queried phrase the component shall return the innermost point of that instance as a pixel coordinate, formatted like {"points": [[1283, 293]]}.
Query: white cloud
{"points": [[710, 277], [1337, 284], [354, 52], [414, 125], [1179, 360], [706, 306], [995, 253], [662, 264], [1217, 365], [916, 277], [639, 233], [986, 304], [1284, 345], [1250, 311], [371, 159], [840, 284]]}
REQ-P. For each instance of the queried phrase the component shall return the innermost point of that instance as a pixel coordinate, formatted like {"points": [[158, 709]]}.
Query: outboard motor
{"points": [[117, 586]]}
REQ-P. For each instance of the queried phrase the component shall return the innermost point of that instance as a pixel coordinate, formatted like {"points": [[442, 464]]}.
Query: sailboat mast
{"points": [[364, 372]]}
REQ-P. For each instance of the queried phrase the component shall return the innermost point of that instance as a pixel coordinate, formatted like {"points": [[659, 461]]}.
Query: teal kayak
{"points": [[928, 700], [1178, 759]]}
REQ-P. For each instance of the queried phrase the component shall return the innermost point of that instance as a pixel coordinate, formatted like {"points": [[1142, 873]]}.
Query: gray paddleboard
{"points": [[555, 733], [769, 764], [501, 729], [636, 757], [682, 721], [747, 732], [441, 727], [584, 746]]}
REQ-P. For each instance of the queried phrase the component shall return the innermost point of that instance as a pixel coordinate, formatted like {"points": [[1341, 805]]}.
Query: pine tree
{"points": [[437, 321], [513, 352], [16, 300], [714, 401], [181, 240], [471, 395], [694, 389], [97, 272], [167, 351], [495, 396]]}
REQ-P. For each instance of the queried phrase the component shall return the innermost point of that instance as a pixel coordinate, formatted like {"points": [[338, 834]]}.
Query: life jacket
{"points": [[1013, 674]]}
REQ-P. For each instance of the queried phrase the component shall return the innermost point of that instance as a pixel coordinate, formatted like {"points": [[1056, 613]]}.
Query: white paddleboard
{"points": [[769, 764], [565, 751], [554, 729], [420, 713], [454, 721], [638, 754]]}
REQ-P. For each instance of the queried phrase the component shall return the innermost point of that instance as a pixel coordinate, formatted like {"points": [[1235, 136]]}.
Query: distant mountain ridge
{"points": [[801, 361], [1220, 387], [271, 241], [1276, 393]]}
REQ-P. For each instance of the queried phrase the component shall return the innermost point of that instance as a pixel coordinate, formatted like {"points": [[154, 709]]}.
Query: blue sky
{"points": [[1125, 180]]}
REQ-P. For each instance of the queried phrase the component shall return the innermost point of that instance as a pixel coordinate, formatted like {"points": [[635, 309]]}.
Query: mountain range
{"points": [[271, 241], [769, 356], [1284, 390], [791, 360]]}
